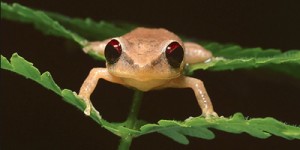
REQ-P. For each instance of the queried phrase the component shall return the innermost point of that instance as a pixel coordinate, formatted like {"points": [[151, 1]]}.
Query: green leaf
{"points": [[229, 56], [49, 83], [70, 97], [198, 127], [22, 67], [292, 57], [5, 64], [203, 133], [178, 137], [235, 57], [91, 29], [39, 19]]}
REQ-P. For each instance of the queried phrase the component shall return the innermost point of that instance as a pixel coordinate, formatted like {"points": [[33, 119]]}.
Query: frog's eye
{"points": [[174, 54], [112, 51]]}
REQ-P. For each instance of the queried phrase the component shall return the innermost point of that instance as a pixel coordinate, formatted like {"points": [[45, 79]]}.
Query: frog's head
{"points": [[145, 54]]}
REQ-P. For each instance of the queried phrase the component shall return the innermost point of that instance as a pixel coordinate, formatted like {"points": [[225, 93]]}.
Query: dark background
{"points": [[35, 118]]}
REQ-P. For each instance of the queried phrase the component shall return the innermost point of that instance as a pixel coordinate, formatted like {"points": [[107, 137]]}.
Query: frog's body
{"points": [[148, 59]]}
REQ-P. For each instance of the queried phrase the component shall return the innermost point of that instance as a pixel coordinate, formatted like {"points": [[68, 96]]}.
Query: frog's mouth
{"points": [[145, 75], [144, 85]]}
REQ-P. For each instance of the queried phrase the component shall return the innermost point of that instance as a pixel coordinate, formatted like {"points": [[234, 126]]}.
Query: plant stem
{"points": [[125, 143], [126, 139], [134, 110]]}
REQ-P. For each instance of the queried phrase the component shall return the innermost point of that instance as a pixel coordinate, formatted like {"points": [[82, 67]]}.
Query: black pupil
{"points": [[174, 54], [112, 51]]}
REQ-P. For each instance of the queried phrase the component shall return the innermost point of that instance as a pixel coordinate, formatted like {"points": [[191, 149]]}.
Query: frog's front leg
{"points": [[200, 93], [90, 84]]}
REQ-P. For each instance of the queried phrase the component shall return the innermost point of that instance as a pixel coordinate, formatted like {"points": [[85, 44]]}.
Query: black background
{"points": [[35, 118]]}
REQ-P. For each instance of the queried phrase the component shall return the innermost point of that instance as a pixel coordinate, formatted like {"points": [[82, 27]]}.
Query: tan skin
{"points": [[143, 64]]}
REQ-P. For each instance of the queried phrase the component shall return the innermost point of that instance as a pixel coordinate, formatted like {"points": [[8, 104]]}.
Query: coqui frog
{"points": [[148, 59]]}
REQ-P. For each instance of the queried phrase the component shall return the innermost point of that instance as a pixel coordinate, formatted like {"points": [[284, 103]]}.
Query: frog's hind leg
{"points": [[195, 53], [97, 46]]}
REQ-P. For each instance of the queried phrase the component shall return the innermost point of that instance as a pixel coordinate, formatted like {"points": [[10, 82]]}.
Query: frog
{"points": [[148, 59]]}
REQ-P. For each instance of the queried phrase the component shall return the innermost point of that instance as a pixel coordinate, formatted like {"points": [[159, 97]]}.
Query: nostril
{"points": [[129, 61]]}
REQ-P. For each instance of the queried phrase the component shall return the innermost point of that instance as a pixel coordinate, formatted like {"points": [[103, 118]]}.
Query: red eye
{"points": [[113, 51], [174, 54]]}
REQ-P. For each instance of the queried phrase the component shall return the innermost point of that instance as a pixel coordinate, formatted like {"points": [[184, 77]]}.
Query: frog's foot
{"points": [[87, 101], [87, 110], [209, 115]]}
